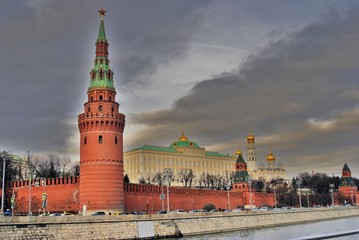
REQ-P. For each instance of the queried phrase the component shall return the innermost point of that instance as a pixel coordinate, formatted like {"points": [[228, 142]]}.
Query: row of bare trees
{"points": [[187, 178], [38, 166], [52, 166]]}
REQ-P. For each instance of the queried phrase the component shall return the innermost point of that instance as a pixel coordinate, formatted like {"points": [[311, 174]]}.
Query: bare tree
{"points": [[185, 176], [228, 178], [74, 169], [65, 167], [45, 166], [202, 180], [168, 175], [141, 181], [158, 178]]}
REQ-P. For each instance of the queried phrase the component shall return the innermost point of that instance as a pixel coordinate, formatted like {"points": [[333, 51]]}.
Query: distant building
{"points": [[147, 160], [271, 171]]}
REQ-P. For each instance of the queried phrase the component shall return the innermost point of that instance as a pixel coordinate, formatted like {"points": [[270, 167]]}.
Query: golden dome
{"points": [[238, 152], [270, 156], [183, 138], [250, 138]]}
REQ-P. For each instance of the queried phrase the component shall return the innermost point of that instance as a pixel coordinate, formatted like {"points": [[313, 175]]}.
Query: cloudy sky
{"points": [[285, 70]]}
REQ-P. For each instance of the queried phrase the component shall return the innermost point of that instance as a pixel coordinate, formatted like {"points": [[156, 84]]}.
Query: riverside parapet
{"points": [[159, 226]]}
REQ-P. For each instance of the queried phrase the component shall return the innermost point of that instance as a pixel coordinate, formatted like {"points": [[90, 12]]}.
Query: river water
{"points": [[317, 230]]}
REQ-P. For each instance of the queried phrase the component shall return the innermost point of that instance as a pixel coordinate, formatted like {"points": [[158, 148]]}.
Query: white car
{"points": [[180, 211], [236, 210]]}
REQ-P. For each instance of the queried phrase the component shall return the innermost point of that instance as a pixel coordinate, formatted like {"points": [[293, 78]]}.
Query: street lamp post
{"points": [[332, 193], [229, 202], [168, 198], [308, 200], [162, 198], [300, 197], [147, 201], [44, 195], [355, 194], [250, 191], [30, 179], [5, 157], [275, 197]]}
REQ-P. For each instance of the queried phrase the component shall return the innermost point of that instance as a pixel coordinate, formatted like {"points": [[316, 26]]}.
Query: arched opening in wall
{"points": [[100, 97], [100, 139], [91, 98], [100, 108], [85, 140], [113, 109], [116, 140], [110, 98], [89, 109]]}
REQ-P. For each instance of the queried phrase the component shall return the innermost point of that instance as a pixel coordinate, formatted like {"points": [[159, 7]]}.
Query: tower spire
{"points": [[101, 75], [183, 137], [101, 33]]}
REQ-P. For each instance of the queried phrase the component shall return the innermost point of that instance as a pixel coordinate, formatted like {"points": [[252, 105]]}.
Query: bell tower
{"points": [[251, 148], [101, 128]]}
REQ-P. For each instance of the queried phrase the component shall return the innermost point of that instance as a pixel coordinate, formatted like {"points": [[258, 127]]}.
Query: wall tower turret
{"points": [[101, 128]]}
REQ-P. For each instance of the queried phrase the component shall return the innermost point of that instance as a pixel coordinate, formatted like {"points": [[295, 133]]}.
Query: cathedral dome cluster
{"points": [[269, 172]]}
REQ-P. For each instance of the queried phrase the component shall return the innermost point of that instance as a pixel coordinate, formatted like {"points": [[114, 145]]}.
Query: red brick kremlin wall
{"points": [[63, 195], [147, 198]]}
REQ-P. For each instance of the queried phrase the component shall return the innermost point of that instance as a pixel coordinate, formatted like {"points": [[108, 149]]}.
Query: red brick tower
{"points": [[347, 187], [101, 136]]}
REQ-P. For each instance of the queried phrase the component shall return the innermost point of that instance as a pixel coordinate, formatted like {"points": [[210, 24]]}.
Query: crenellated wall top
{"points": [[100, 115]]}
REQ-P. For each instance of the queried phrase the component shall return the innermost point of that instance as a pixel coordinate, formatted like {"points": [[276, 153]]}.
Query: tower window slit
{"points": [[100, 139]]}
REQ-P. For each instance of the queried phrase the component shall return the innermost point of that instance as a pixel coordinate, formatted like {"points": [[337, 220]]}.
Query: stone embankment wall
{"points": [[141, 226]]}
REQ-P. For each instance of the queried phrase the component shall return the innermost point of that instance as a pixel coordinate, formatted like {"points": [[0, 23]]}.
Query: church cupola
{"points": [[250, 138], [271, 160]]}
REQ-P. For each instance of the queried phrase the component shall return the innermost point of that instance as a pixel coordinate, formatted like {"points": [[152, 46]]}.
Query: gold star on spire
{"points": [[102, 12]]}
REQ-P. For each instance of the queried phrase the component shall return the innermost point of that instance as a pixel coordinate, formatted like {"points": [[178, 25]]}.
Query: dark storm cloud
{"points": [[47, 49], [159, 32], [299, 96]]}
